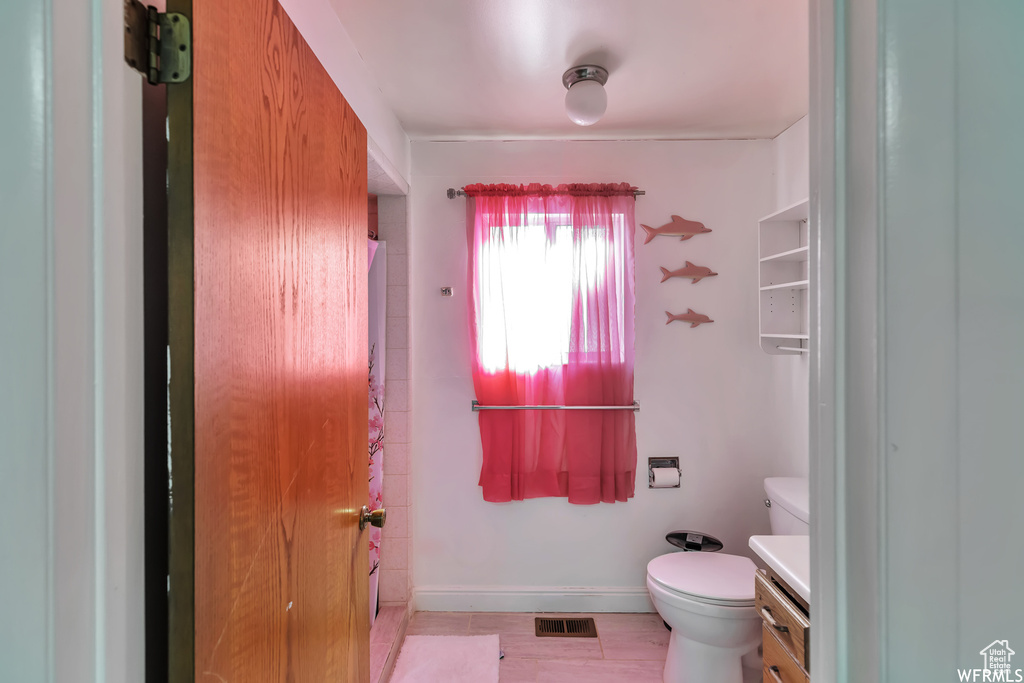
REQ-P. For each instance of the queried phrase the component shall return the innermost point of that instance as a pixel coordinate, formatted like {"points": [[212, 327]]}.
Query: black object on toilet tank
{"points": [[695, 541]]}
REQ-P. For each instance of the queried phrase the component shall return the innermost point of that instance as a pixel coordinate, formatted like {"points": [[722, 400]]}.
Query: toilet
{"points": [[788, 506], [708, 598]]}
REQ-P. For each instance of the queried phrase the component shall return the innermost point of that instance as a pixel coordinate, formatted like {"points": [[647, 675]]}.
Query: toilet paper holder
{"points": [[672, 463]]}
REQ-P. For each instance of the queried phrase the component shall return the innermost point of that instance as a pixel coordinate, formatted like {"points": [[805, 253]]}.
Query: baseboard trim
{"points": [[531, 599]]}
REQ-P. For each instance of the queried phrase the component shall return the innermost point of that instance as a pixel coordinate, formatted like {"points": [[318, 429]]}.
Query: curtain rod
{"points": [[453, 193], [635, 407]]}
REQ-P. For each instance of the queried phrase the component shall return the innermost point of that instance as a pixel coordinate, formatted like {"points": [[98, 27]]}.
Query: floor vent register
{"points": [[547, 627]]}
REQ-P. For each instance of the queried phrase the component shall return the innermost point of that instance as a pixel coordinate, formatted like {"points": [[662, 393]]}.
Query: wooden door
{"points": [[267, 187]]}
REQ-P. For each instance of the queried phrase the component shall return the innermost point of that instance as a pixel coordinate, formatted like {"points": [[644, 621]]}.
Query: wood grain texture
{"points": [[771, 603], [779, 665], [280, 356]]}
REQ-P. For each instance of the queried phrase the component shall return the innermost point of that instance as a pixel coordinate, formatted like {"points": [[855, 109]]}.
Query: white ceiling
{"points": [[679, 69]]}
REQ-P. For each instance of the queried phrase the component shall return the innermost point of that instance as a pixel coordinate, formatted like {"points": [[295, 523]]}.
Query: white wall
{"points": [[988, 473], [790, 150], [71, 364], [792, 164], [708, 395]]}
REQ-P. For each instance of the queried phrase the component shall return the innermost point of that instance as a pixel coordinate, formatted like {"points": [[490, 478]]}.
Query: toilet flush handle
{"points": [[767, 502], [375, 518]]}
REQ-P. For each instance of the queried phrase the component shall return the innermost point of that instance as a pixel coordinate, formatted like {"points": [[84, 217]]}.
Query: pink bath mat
{"points": [[447, 659]]}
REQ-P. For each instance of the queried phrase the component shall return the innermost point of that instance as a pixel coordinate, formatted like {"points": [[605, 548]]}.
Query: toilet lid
{"points": [[710, 577]]}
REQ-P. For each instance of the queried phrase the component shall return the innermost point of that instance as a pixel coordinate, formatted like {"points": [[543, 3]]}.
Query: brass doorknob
{"points": [[375, 518]]}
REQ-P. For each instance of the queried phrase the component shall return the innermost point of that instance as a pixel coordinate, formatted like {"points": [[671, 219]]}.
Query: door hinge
{"points": [[157, 44]]}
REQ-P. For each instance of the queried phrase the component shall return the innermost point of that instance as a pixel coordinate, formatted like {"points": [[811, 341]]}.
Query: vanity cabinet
{"points": [[786, 629], [783, 280]]}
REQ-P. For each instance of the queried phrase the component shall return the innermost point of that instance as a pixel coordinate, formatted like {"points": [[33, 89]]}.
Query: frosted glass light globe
{"points": [[586, 102]]}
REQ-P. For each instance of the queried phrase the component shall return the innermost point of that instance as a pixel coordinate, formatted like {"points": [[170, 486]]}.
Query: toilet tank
{"points": [[788, 505]]}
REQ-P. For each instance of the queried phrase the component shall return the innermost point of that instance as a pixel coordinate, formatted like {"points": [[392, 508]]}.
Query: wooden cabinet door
{"points": [[268, 402]]}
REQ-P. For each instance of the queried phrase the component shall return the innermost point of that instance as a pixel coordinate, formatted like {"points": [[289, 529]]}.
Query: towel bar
{"points": [[635, 407]]}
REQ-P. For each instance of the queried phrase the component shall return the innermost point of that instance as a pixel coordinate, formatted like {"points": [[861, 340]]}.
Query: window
{"points": [[551, 306], [527, 293]]}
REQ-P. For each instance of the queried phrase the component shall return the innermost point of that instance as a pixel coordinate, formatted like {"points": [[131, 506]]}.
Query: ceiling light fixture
{"points": [[586, 101]]}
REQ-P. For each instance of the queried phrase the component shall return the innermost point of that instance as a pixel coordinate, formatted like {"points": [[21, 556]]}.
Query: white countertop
{"points": [[790, 557]]}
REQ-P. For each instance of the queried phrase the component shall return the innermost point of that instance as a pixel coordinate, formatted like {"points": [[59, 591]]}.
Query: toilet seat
{"points": [[709, 578]]}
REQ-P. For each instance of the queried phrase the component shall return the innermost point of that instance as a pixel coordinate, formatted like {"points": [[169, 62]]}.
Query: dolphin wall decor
{"points": [[689, 317], [677, 226], [698, 273]]}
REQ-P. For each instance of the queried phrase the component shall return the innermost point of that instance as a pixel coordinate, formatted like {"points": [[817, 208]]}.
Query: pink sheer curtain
{"points": [[551, 318]]}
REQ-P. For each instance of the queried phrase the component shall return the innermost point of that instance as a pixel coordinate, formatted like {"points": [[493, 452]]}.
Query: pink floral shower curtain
{"points": [[377, 281], [551, 317]]}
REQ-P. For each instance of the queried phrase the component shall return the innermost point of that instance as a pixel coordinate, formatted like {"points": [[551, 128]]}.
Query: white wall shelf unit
{"points": [[799, 284], [784, 279], [798, 254]]}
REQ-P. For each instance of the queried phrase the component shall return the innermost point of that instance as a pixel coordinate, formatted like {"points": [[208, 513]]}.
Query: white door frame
{"points": [[71, 395], [847, 362], [824, 396], [86, 205]]}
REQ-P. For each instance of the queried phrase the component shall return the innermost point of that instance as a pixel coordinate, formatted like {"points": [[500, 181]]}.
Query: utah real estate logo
{"points": [[997, 667]]}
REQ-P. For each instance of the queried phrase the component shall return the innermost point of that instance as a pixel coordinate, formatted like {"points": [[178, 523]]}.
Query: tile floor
{"points": [[384, 637], [629, 647]]}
